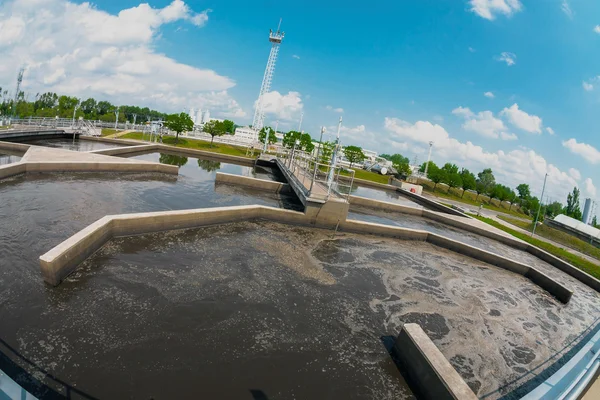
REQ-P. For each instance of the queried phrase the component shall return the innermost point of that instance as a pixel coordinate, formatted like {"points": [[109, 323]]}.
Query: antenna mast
{"points": [[259, 114]]}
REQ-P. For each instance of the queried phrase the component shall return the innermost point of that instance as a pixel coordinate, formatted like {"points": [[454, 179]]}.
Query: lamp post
{"points": [[540, 206], [75, 111], [428, 158]]}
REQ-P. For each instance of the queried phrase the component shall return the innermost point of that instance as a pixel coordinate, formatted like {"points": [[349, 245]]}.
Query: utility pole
{"points": [[334, 155], [134, 118], [540, 206], [116, 117], [17, 91], [300, 124], [428, 158]]}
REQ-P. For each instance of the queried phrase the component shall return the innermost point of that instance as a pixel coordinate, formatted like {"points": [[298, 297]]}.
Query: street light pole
{"points": [[540, 206], [428, 158]]}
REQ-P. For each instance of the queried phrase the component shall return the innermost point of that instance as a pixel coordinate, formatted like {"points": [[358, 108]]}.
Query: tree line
{"points": [[51, 105]]}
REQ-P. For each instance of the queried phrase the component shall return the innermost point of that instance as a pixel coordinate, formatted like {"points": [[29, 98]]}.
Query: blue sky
{"points": [[404, 73]]}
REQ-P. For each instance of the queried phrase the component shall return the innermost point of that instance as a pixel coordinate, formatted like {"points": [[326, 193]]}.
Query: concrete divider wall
{"points": [[428, 372], [116, 151], [178, 150], [82, 166], [14, 148], [434, 205], [364, 182], [384, 205], [262, 184], [13, 169], [562, 265], [63, 259]]}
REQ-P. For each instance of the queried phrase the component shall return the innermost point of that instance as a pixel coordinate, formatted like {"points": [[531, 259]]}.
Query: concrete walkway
{"points": [[543, 239]]}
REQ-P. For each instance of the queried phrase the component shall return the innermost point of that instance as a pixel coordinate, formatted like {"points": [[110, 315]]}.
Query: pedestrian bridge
{"points": [[317, 185]]}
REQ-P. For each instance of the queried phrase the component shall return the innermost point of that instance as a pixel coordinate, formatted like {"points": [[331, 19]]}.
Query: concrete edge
{"points": [[426, 369], [384, 205], [262, 184], [437, 206], [182, 150], [513, 242], [542, 280], [63, 259], [364, 182], [16, 148], [8, 170], [125, 150], [91, 166]]}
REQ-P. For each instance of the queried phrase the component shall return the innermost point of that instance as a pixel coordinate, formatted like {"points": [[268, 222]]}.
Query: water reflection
{"points": [[209, 165], [172, 159]]}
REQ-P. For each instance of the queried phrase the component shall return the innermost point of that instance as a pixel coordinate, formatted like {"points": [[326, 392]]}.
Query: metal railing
{"points": [[317, 179]]}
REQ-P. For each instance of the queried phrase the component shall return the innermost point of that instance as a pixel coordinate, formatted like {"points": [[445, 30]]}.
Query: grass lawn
{"points": [[369, 176], [557, 236], [469, 199], [108, 131], [195, 144], [574, 260]]}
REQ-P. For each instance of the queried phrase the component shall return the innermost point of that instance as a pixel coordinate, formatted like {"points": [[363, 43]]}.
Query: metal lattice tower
{"points": [[259, 113], [19, 80]]}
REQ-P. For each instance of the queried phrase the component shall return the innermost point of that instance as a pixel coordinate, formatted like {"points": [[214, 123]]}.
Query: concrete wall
{"points": [[427, 371], [262, 184], [177, 150], [432, 204], [364, 182], [117, 151], [384, 205], [9, 170], [17, 149], [468, 226], [59, 262]]}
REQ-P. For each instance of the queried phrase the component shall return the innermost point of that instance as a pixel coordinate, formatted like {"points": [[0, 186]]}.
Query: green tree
{"points": [[179, 123], [524, 191], [354, 154], [573, 209], [396, 158], [450, 168], [431, 165], [402, 169], [553, 209], [209, 165], [263, 134], [437, 175], [304, 140], [326, 152], [454, 180], [229, 126], [172, 159], [594, 222], [485, 182], [468, 181], [214, 128]]}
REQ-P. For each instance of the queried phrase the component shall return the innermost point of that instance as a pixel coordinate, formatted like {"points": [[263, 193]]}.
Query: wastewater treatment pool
{"points": [[255, 308]]}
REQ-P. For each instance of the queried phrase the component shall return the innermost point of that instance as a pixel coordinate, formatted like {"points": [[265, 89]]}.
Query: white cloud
{"points": [[286, 107], [588, 87], [80, 50], [511, 168], [489, 95], [522, 120], [337, 110], [575, 173], [590, 189], [550, 130], [566, 8], [297, 57], [488, 9], [597, 29], [508, 136], [507, 57], [483, 123], [588, 152]]}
